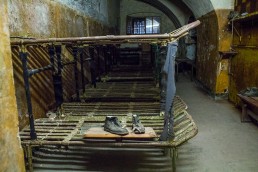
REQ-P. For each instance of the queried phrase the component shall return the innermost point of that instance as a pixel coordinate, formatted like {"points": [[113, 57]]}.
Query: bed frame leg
{"points": [[166, 151], [28, 150], [174, 155]]}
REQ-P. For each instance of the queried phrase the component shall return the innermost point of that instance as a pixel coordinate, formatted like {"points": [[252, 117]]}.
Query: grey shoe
{"points": [[112, 125], [138, 128]]}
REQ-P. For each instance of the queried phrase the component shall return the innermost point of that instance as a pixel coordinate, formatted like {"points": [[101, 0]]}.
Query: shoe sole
{"points": [[110, 131]]}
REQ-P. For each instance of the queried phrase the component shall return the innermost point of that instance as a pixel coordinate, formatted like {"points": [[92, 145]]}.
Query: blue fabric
{"points": [[169, 70]]}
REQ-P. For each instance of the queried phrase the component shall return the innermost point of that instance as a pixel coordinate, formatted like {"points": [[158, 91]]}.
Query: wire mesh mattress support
{"points": [[69, 132]]}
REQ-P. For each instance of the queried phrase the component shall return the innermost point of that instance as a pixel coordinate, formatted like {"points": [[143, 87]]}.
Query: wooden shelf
{"points": [[250, 16], [227, 54]]}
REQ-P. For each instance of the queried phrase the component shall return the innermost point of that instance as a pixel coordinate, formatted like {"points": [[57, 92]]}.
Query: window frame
{"points": [[130, 24]]}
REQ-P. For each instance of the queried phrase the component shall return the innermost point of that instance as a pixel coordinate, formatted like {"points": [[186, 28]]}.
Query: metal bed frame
{"points": [[68, 131]]}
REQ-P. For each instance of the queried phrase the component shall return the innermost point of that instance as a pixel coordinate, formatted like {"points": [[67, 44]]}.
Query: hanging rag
{"points": [[169, 70]]}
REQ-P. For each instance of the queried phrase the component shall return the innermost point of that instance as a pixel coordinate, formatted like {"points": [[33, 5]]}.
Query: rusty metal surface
{"points": [[70, 131], [119, 98], [112, 39]]}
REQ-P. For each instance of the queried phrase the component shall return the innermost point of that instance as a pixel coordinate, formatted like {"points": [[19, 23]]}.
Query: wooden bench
{"points": [[249, 107]]}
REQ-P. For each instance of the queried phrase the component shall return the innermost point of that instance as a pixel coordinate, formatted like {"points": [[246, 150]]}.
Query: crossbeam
{"points": [[112, 39]]}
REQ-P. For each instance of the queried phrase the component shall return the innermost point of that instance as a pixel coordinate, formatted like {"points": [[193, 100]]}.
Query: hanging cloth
{"points": [[169, 70]]}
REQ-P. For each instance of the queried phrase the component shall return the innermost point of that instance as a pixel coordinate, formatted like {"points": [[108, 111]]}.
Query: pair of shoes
{"points": [[137, 128], [113, 125]]}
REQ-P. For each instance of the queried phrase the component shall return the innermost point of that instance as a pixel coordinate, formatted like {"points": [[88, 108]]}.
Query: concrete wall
{"points": [[135, 8], [51, 18], [11, 155]]}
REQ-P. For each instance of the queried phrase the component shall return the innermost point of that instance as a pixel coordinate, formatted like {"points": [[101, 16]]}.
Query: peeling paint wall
{"points": [[96, 9], [11, 155], [244, 66], [207, 51], [213, 36], [225, 38], [51, 18], [244, 71]]}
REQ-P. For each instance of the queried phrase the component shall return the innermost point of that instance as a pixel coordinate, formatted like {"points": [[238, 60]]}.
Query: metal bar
{"points": [[92, 67], [23, 56], [81, 52], [98, 62], [29, 157], [105, 59], [57, 74], [35, 71], [174, 152], [68, 63], [75, 57], [175, 34], [51, 51]]}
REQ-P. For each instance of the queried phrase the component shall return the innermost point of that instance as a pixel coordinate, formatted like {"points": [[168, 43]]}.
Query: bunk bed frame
{"points": [[68, 131]]}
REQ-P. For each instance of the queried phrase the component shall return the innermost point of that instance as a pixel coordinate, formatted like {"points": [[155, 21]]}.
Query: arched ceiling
{"points": [[198, 8], [163, 6]]}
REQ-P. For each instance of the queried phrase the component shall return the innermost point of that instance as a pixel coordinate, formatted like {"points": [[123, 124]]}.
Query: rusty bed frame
{"points": [[67, 130]]}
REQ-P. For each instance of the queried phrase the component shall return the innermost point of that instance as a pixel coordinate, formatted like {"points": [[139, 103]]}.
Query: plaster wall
{"points": [[96, 9], [181, 13], [11, 155], [51, 18], [140, 9], [203, 7]]}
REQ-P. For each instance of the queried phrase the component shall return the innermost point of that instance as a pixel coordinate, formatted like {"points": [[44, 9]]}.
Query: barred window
{"points": [[143, 25]]}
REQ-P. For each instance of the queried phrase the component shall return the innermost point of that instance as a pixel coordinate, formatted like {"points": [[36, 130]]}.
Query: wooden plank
{"points": [[249, 100], [98, 132]]}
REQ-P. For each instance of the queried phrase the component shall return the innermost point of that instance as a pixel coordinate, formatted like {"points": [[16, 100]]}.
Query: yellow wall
{"points": [[11, 155], [213, 36], [244, 69]]}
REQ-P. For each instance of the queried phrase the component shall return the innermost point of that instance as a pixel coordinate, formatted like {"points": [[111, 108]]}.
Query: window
{"points": [[143, 25]]}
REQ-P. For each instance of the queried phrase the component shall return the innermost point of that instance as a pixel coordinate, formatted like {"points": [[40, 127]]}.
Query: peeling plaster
{"points": [[97, 9], [39, 18], [14, 17]]}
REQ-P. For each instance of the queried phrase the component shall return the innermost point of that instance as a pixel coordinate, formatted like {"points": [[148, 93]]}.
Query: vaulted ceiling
{"points": [[197, 8]]}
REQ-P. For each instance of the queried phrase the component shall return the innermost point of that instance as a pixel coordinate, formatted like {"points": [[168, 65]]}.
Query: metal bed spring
{"points": [[69, 132], [121, 108]]}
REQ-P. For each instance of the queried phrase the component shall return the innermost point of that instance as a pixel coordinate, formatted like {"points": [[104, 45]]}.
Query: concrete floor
{"points": [[223, 144]]}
